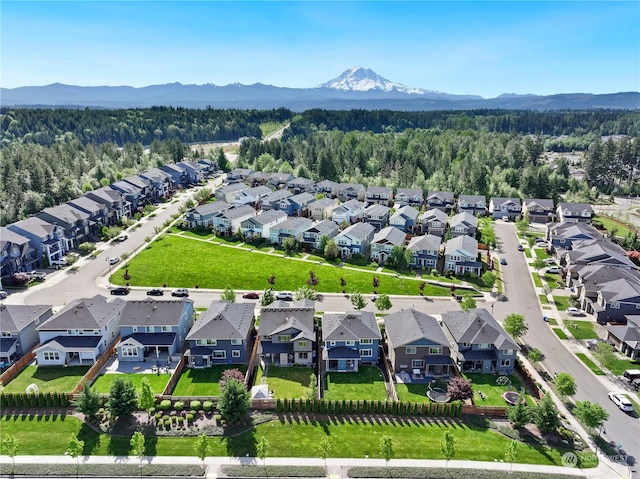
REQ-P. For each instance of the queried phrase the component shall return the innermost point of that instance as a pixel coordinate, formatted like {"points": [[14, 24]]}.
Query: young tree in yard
{"points": [[305, 292], [489, 279], [468, 303], [313, 279], [421, 287], [538, 264], [383, 303], [228, 295], [590, 414], [271, 280], [545, 415], [122, 398], [447, 448], [146, 399], [331, 250], [10, 447], [267, 297], [522, 225], [324, 449], [343, 284], [460, 388], [487, 232], [74, 449], [399, 258], [312, 392], [228, 374], [87, 247], [519, 415], [535, 356], [234, 402], [511, 453], [357, 301], [515, 325], [290, 245], [88, 402], [262, 449], [375, 282], [324, 240], [137, 447], [565, 384], [201, 448], [603, 354], [386, 448]]}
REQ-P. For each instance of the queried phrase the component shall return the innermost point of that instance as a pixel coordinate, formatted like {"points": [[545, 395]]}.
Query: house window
{"points": [[410, 350], [166, 329], [129, 351], [615, 305], [236, 342], [507, 352], [51, 356], [483, 346], [435, 350], [303, 344], [465, 345], [366, 341], [417, 363], [207, 342], [134, 329], [350, 343], [505, 362], [219, 354], [235, 353], [332, 343], [5, 334], [303, 355], [284, 338], [366, 353]]}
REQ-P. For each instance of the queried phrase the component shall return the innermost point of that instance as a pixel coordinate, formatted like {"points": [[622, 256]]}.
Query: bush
{"points": [[207, 406], [179, 405], [195, 405], [189, 418], [165, 404]]}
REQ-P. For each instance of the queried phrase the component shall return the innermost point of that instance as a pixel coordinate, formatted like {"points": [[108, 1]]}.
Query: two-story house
{"points": [[562, 235], [474, 204], [616, 299], [441, 200], [461, 255], [500, 207], [223, 334], [250, 196], [132, 194], [351, 191], [228, 192], [377, 215], [271, 201], [192, 170], [418, 348], [80, 332], [574, 212], [479, 343], [18, 333], [425, 251], [349, 340], [355, 239], [296, 205], [47, 239], [312, 236], [259, 226], [145, 187], [16, 253], [409, 197], [384, 241], [98, 214], [75, 222], [238, 174], [161, 183], [379, 195], [257, 178], [208, 167], [463, 224], [625, 338], [179, 177], [287, 333], [227, 222], [350, 212], [433, 222], [405, 219], [155, 330], [290, 228], [278, 181], [118, 206], [538, 210], [587, 280], [203, 216], [323, 208], [326, 187], [300, 185], [597, 251]]}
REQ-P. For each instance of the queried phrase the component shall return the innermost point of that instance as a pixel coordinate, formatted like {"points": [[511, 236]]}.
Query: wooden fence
{"points": [[497, 411], [173, 380], [18, 366], [94, 370]]}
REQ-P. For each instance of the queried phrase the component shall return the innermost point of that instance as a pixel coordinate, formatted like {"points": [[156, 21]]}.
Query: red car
{"points": [[251, 296]]}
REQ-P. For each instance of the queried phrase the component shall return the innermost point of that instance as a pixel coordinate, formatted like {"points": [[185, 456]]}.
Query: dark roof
{"points": [[282, 315], [148, 339], [350, 326], [223, 320], [276, 348], [149, 312], [340, 352], [210, 208], [358, 230], [6, 344], [85, 313], [437, 360], [477, 327], [16, 317], [408, 325], [72, 342], [470, 354]]}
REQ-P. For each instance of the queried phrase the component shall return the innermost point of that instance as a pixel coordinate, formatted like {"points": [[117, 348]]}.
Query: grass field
{"points": [[537, 280], [581, 329], [552, 280], [212, 266], [103, 383], [203, 382], [527, 252], [290, 383], [543, 299], [541, 253], [621, 229], [562, 302], [350, 438], [367, 383], [619, 366], [412, 392], [493, 392], [590, 364], [560, 333], [48, 379]]}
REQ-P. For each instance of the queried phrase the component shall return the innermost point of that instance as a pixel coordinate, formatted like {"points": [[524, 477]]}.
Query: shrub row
{"points": [[105, 470], [442, 473], [274, 471], [44, 399], [196, 405], [369, 407]]}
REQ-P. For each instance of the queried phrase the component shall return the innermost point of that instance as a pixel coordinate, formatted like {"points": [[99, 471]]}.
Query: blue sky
{"points": [[477, 47]]}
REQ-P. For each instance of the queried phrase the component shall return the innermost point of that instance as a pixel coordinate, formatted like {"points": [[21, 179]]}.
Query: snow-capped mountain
{"points": [[364, 79]]}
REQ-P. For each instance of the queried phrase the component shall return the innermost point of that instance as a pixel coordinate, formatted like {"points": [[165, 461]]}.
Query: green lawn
{"points": [[198, 234], [48, 379], [103, 383], [581, 329], [537, 280], [619, 366], [290, 383], [621, 229], [541, 253], [560, 333], [269, 127], [486, 383], [552, 321], [349, 438], [527, 252], [543, 299], [412, 392], [590, 364], [368, 383], [552, 280], [203, 382], [562, 302], [208, 265]]}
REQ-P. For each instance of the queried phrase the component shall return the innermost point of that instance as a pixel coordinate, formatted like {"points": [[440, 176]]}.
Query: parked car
{"points": [[550, 262], [553, 270], [541, 240], [635, 384], [59, 262], [251, 295], [520, 247], [3, 294], [122, 238], [503, 261], [114, 260], [155, 292], [122, 290], [621, 401], [284, 296], [592, 343], [505, 218], [37, 275], [631, 374], [181, 293], [571, 311]]}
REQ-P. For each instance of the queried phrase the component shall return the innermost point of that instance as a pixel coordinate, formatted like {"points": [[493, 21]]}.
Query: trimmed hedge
{"points": [[369, 407], [442, 473], [104, 470], [274, 471], [30, 400]]}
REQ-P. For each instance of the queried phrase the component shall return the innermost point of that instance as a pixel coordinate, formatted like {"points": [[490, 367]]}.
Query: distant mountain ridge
{"points": [[356, 88]]}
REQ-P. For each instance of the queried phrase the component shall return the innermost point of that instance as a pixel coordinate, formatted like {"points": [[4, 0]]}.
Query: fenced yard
{"points": [[203, 382], [367, 383], [47, 379], [487, 391], [412, 392], [103, 383], [289, 383]]}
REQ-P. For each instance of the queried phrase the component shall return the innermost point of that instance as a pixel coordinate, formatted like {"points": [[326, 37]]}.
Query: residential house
{"points": [[616, 300], [323, 208], [259, 226], [18, 333], [405, 219], [350, 191], [207, 167], [433, 222], [257, 178], [228, 192], [250, 196], [538, 210], [223, 334], [296, 205], [238, 174], [597, 251], [349, 340], [625, 337], [80, 332], [418, 348], [74, 221], [355, 239], [300, 185], [115, 201], [228, 222], [155, 330], [179, 176], [204, 215], [574, 212], [145, 187], [474, 204], [192, 170], [326, 187], [379, 195], [479, 343], [505, 207], [441, 200], [377, 215], [562, 235], [287, 334], [270, 202], [161, 183], [461, 256], [312, 236], [290, 228], [384, 241], [132, 194], [425, 251], [16, 253], [278, 181], [409, 196], [98, 214], [350, 212], [586, 280], [47, 239], [463, 224]]}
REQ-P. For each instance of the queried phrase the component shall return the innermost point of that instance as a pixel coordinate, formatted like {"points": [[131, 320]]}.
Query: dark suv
{"points": [[122, 290]]}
